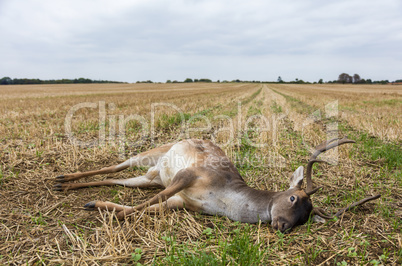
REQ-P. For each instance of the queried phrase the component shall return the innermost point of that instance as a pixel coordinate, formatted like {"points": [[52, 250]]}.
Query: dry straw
{"points": [[41, 226]]}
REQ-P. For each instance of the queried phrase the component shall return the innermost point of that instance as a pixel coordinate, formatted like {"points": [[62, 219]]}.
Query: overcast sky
{"points": [[218, 39]]}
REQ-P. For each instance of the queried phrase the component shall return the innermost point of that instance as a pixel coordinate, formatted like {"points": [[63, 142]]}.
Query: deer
{"points": [[198, 176]]}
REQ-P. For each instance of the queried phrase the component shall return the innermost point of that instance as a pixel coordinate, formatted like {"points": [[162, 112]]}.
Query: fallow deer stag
{"points": [[197, 175]]}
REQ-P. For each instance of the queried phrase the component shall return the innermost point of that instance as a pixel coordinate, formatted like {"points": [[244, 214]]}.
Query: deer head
{"points": [[293, 206]]}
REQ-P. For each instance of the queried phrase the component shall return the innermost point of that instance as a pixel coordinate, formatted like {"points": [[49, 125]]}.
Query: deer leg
{"points": [[106, 170], [183, 179], [151, 179], [148, 158], [175, 202]]}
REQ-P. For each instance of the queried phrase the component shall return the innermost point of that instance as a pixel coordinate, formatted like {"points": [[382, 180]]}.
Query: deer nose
{"points": [[281, 225]]}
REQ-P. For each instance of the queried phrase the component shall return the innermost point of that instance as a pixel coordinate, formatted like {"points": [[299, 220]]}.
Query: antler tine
{"points": [[311, 192], [321, 213], [360, 202], [327, 145], [309, 182]]}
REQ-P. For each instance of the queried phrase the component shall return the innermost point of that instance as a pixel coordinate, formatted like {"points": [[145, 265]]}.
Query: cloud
{"points": [[256, 40]]}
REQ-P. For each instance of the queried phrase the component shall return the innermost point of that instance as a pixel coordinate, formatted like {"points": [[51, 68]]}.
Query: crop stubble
{"points": [[42, 226]]}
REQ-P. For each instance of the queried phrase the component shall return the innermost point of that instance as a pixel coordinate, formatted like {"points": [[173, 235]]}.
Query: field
{"points": [[267, 130]]}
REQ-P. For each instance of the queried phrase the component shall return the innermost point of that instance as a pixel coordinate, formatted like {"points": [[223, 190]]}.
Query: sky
{"points": [[129, 40]]}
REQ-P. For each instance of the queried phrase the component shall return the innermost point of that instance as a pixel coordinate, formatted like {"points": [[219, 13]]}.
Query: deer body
{"points": [[197, 175], [216, 185]]}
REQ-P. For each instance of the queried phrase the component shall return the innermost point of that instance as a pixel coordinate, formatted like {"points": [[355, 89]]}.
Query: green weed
{"points": [[297, 105], [276, 108], [379, 103], [136, 256], [238, 249], [388, 154], [252, 97], [38, 220]]}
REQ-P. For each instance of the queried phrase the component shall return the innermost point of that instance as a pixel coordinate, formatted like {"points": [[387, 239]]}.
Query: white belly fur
{"points": [[176, 159]]}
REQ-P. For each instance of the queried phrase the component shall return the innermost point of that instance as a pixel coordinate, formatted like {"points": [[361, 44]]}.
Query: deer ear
{"points": [[296, 181]]}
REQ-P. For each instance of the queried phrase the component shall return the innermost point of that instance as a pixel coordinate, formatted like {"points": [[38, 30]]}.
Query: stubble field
{"points": [[266, 129]]}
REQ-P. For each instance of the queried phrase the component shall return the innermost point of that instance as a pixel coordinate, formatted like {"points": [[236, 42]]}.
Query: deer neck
{"points": [[251, 205]]}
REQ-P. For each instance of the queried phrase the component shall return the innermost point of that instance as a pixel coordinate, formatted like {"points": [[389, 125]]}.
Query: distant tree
{"points": [[204, 80], [280, 79], [345, 78], [82, 80], [320, 81], [6, 81], [383, 82], [356, 78], [188, 80], [168, 81]]}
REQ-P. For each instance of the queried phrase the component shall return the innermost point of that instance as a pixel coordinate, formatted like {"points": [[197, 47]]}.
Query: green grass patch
{"points": [[276, 108], [297, 105], [388, 154], [166, 121], [232, 112], [239, 248], [88, 126], [247, 158], [255, 109], [374, 103], [380, 103], [170, 121], [252, 97]]}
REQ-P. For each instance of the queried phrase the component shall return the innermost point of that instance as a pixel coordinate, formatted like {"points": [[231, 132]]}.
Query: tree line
{"points": [[343, 78], [23, 81]]}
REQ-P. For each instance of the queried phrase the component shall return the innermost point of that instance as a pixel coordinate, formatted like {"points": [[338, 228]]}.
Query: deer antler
{"points": [[321, 212], [326, 145]]}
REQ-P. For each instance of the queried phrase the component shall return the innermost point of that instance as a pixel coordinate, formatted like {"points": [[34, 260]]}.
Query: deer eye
{"points": [[292, 198]]}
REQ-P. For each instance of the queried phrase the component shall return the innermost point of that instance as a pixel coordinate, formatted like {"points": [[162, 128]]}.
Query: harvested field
{"points": [[266, 129]]}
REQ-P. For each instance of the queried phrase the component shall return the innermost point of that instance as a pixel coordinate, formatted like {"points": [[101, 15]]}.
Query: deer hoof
{"points": [[61, 187], [58, 187], [60, 178], [90, 206]]}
